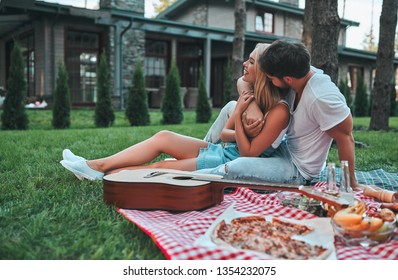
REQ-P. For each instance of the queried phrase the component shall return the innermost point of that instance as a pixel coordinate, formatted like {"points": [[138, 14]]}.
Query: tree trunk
{"points": [[307, 27], [325, 34], [238, 45], [384, 67]]}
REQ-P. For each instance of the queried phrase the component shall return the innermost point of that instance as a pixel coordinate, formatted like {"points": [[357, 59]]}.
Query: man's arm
{"points": [[342, 134]]}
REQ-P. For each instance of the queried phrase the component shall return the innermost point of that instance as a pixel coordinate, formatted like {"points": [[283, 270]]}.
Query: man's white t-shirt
{"points": [[321, 107]]}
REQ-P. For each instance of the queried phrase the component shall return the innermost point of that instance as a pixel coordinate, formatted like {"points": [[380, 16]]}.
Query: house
{"points": [[196, 33]]}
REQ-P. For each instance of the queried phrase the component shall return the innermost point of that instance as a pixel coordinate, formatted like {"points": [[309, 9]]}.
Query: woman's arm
{"points": [[228, 132], [276, 120], [253, 115]]}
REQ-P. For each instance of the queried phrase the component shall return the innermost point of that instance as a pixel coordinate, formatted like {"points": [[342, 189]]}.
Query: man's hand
{"points": [[357, 186]]}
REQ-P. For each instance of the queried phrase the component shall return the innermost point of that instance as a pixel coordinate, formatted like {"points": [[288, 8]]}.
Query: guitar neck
{"points": [[259, 185], [339, 201]]}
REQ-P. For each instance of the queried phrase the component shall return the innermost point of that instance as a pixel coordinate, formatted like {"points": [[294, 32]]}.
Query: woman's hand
{"points": [[252, 128], [243, 102]]}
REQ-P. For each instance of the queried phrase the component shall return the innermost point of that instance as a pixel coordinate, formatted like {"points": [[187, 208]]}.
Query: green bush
{"points": [[171, 105], [203, 108], [227, 82], [346, 91], [104, 115], [137, 111], [361, 98], [14, 115], [61, 107]]}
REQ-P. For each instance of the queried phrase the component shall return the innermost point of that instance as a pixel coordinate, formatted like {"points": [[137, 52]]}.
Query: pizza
{"points": [[274, 238]]}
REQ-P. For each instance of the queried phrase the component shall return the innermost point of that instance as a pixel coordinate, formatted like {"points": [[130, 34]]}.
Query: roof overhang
{"points": [[180, 6]]}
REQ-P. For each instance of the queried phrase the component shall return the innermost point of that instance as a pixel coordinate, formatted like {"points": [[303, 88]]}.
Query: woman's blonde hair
{"points": [[266, 94]]}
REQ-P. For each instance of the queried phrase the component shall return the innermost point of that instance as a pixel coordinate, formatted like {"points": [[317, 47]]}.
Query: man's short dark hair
{"points": [[283, 58]]}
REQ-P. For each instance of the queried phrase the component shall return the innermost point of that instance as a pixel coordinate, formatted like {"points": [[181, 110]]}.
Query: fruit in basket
{"points": [[382, 234], [368, 224], [374, 223], [346, 219], [387, 215], [355, 226], [362, 225], [350, 216]]}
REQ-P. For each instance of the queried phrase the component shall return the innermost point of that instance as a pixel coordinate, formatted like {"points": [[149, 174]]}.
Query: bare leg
{"points": [[176, 145], [182, 164]]}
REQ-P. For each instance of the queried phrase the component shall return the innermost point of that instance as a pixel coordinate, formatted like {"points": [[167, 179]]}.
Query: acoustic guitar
{"points": [[174, 190]]}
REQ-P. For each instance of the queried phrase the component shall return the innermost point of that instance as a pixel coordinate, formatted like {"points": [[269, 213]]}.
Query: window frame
{"points": [[89, 86], [152, 81], [262, 14]]}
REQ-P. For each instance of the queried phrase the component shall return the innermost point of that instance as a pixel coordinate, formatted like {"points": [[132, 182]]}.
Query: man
{"points": [[319, 116]]}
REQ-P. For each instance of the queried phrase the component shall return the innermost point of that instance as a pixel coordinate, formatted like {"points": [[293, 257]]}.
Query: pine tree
{"points": [[346, 91], [203, 108], [361, 98], [171, 105], [14, 115], [137, 111], [104, 115], [227, 82], [61, 106]]}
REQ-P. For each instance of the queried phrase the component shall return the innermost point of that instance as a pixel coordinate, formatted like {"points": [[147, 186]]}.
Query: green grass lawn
{"points": [[46, 213]]}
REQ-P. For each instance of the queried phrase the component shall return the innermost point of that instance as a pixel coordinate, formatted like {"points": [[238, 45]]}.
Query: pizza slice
{"points": [[290, 228]]}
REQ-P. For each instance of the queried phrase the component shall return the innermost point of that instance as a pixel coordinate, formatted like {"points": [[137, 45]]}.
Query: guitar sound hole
{"points": [[183, 178]]}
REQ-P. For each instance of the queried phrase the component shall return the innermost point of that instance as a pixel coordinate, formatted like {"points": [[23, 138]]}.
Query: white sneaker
{"points": [[69, 156], [80, 168]]}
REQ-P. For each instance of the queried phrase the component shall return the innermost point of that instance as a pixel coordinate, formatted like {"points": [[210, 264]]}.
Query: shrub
{"points": [[227, 82], [137, 111], [203, 108], [14, 115], [104, 115], [361, 98], [346, 91], [171, 105], [61, 107]]}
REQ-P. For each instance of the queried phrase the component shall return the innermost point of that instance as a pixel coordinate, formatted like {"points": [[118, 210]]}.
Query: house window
{"points": [[265, 22], [189, 62], [353, 76], [155, 63], [81, 58]]}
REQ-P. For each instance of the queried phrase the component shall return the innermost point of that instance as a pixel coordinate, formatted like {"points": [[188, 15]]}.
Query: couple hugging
{"points": [[279, 130]]}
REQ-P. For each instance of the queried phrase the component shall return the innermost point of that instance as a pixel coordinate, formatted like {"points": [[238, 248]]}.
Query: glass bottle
{"points": [[345, 185], [331, 186]]}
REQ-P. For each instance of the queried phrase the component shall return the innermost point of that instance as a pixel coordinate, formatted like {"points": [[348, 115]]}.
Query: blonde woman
{"points": [[194, 154]]}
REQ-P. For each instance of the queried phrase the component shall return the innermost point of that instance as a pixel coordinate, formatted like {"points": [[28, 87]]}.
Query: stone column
{"points": [[124, 51]]}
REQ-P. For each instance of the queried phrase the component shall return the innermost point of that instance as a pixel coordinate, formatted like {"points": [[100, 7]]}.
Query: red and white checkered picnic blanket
{"points": [[176, 233]]}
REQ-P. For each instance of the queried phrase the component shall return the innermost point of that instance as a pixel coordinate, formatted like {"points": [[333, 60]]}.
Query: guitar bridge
{"points": [[154, 174]]}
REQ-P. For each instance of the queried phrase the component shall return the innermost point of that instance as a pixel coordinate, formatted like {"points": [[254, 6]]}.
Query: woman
{"points": [[193, 154]]}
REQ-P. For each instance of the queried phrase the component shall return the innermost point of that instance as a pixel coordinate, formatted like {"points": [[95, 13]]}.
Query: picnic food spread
{"points": [[274, 237], [357, 226]]}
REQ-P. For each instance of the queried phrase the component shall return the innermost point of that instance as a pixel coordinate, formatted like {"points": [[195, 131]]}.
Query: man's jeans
{"points": [[276, 168]]}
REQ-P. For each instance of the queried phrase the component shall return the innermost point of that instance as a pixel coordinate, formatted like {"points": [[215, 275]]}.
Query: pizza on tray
{"points": [[273, 238]]}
